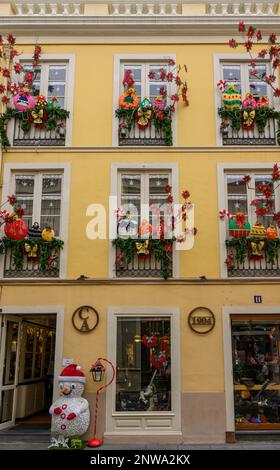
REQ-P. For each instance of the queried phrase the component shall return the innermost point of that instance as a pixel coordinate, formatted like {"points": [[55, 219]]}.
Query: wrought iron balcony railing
{"points": [[251, 266], [140, 266], [231, 136], [40, 137], [136, 136], [30, 267]]}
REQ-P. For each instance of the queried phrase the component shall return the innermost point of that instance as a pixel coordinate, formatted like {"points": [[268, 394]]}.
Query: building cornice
{"points": [[211, 26], [149, 150]]}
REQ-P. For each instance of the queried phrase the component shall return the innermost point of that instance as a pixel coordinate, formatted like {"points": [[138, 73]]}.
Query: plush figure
{"points": [[23, 101], [70, 412]]}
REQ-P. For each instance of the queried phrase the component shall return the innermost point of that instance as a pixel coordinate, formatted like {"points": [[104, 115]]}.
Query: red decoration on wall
{"points": [[150, 341]]}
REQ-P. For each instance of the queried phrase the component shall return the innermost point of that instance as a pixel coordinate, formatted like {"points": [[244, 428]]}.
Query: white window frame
{"points": [[37, 194], [145, 422], [116, 169], [119, 59], [234, 59], [237, 168], [65, 169], [55, 59]]}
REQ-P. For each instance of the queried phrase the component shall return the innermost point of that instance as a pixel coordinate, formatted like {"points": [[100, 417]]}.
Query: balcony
{"points": [[138, 137], [38, 137], [268, 136], [23, 266], [140, 258], [246, 265]]}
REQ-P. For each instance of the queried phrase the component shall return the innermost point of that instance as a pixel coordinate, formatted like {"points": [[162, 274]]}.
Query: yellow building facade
{"points": [[208, 387]]}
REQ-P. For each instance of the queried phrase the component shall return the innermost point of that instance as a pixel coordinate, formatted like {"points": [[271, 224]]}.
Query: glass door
{"points": [[9, 360], [256, 371]]}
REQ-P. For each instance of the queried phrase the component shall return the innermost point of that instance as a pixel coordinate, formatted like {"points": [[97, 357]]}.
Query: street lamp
{"points": [[98, 372]]}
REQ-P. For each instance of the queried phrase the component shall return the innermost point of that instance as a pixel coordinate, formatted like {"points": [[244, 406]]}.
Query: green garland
{"points": [[54, 114], [262, 115], [127, 247], [242, 249], [17, 247], [165, 124]]}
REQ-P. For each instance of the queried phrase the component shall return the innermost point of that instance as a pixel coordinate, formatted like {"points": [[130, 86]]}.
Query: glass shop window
{"points": [[256, 373], [143, 381]]}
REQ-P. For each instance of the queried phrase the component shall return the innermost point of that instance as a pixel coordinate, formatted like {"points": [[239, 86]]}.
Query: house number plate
{"points": [[201, 320]]}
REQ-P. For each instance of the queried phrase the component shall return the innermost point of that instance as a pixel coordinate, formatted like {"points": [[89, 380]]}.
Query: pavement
{"points": [[8, 442]]}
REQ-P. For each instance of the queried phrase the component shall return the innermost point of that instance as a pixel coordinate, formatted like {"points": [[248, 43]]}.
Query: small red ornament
{"points": [[159, 360], [149, 341], [17, 229]]}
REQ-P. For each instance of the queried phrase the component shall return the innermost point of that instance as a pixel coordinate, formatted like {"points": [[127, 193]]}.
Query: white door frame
{"points": [[13, 386], [8, 312], [228, 365], [145, 423]]}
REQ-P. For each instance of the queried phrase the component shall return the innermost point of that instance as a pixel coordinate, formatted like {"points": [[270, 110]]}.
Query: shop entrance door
{"points": [[9, 362], [256, 372]]}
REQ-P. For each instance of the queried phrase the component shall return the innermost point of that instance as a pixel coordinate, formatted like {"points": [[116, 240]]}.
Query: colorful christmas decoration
{"points": [[257, 249], [158, 103], [150, 341], [142, 248], [239, 226], [48, 233], [129, 99], [249, 101], [23, 101], [17, 229], [70, 412], [263, 102], [144, 113], [258, 231], [231, 98], [271, 232], [31, 250], [159, 360], [145, 229], [35, 231]]}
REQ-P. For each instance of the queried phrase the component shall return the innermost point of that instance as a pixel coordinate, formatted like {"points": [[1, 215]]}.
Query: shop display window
{"points": [[256, 373], [143, 380]]}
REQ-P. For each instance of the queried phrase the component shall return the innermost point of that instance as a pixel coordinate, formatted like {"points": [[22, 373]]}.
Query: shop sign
{"points": [[201, 320], [85, 319]]}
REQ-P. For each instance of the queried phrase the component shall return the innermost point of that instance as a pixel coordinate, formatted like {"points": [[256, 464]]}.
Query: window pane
{"points": [[51, 184], [9, 375], [24, 190], [24, 184], [237, 194], [232, 74], [51, 202], [157, 184], [56, 81], [156, 70], [136, 75], [143, 381], [131, 184], [263, 179], [57, 73]]}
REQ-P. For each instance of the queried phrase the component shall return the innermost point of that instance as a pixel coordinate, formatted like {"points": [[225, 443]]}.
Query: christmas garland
{"points": [[262, 115], [45, 249], [241, 247], [164, 124], [50, 116], [158, 247]]}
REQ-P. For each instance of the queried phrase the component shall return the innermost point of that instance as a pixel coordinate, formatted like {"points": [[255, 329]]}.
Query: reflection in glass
{"points": [[6, 406], [143, 364], [10, 353]]}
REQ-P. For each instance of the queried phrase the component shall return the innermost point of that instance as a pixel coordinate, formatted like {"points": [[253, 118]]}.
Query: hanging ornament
{"points": [[158, 103], [41, 100], [249, 101], [129, 99], [150, 341], [35, 231], [249, 113], [23, 101], [257, 249], [142, 248], [263, 102], [144, 113], [231, 98], [239, 226], [31, 251], [48, 233], [16, 230], [258, 231], [145, 229], [159, 360], [271, 232]]}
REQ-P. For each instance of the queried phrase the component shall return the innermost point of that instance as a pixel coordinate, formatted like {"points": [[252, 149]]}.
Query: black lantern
{"points": [[98, 371]]}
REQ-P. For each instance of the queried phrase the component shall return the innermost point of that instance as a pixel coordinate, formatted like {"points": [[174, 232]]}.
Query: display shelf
{"points": [[257, 426], [272, 386]]}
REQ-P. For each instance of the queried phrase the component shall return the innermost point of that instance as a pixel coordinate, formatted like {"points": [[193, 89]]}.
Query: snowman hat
{"points": [[72, 373]]}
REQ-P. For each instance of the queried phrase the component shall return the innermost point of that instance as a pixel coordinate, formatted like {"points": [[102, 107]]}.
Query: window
{"points": [[40, 196], [144, 85], [139, 190], [239, 196], [239, 75], [50, 80], [143, 381]]}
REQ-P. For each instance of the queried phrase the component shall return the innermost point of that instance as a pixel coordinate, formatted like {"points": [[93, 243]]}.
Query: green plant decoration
{"points": [[241, 247]]}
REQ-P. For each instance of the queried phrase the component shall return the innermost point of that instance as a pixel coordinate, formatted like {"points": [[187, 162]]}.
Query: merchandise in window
{"points": [[143, 381]]}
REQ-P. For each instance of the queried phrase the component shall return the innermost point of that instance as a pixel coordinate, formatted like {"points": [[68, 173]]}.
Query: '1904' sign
{"points": [[201, 320]]}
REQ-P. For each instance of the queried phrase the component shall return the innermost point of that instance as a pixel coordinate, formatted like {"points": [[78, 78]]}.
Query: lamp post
{"points": [[98, 373]]}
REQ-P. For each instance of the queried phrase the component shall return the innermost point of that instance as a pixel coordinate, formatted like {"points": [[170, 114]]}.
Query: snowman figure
{"points": [[70, 412]]}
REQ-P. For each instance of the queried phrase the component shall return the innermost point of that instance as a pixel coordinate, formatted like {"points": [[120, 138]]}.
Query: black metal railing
{"points": [[140, 266], [135, 136], [36, 136], [253, 137], [30, 267], [252, 267]]}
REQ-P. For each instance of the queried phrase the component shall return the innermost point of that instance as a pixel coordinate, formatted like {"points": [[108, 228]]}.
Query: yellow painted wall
{"points": [[90, 183], [201, 355]]}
